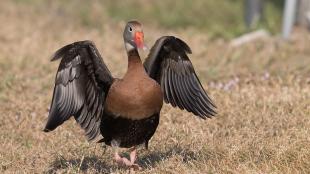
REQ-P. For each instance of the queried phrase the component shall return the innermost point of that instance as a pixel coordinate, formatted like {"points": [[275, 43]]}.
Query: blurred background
{"points": [[213, 29], [252, 56]]}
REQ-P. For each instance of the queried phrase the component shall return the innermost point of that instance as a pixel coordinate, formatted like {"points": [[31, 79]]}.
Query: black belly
{"points": [[127, 132]]}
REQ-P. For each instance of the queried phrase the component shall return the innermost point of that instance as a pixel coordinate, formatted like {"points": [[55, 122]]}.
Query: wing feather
{"points": [[172, 92], [176, 90], [182, 90], [81, 84], [170, 66]]}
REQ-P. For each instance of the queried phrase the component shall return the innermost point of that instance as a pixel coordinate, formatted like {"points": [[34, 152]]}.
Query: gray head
{"points": [[133, 36]]}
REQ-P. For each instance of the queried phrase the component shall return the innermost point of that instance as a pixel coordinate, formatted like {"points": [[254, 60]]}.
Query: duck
{"points": [[125, 112]]}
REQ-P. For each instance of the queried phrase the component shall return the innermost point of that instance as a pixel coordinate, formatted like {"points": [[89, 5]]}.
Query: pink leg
{"points": [[124, 161], [133, 157]]}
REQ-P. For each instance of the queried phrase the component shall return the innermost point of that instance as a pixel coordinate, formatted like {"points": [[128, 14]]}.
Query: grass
{"points": [[262, 91], [223, 19]]}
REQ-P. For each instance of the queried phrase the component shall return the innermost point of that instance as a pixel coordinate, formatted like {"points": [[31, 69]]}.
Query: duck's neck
{"points": [[135, 65]]}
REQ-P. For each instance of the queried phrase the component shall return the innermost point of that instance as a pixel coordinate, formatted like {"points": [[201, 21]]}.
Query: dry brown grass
{"points": [[262, 92]]}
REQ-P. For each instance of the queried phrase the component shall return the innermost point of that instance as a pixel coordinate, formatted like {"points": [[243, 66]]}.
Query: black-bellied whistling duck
{"points": [[125, 112]]}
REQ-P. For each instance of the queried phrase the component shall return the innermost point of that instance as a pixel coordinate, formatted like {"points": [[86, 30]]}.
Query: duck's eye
{"points": [[130, 29]]}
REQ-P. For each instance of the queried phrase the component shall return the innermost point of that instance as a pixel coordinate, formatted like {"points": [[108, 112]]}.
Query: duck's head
{"points": [[133, 36]]}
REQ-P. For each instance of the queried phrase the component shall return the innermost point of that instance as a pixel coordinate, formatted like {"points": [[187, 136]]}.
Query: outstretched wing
{"points": [[81, 85], [170, 66]]}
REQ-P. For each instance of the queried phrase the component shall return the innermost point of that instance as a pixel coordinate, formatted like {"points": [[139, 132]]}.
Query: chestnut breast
{"points": [[136, 96]]}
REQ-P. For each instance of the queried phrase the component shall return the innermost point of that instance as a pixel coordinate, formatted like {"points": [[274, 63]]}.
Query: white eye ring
{"points": [[130, 29]]}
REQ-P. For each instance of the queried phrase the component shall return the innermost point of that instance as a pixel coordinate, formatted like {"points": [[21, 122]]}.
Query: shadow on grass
{"points": [[147, 160], [83, 165], [150, 160]]}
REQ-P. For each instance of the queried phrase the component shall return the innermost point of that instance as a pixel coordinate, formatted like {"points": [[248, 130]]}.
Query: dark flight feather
{"points": [[170, 66], [81, 85]]}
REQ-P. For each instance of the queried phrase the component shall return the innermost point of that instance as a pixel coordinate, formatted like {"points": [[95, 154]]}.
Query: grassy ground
{"points": [[208, 16], [262, 91]]}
